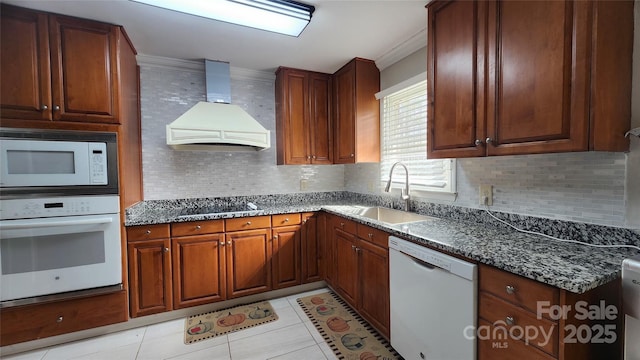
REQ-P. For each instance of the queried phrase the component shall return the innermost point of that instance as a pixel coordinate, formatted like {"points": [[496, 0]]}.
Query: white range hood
{"points": [[217, 126]]}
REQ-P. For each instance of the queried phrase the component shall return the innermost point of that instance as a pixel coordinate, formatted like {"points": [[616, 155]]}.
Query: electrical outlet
{"points": [[486, 191], [304, 184]]}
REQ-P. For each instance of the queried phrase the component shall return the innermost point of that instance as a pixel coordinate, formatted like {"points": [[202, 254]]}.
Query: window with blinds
{"points": [[404, 138]]}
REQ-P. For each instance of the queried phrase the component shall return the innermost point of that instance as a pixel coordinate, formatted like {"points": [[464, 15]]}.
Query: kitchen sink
{"points": [[391, 216]]}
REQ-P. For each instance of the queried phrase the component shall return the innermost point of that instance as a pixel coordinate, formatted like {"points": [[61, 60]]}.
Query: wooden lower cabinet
{"points": [[361, 273], [248, 262], [32, 322], [285, 258], [508, 302], [373, 273], [313, 240], [150, 277], [198, 270]]}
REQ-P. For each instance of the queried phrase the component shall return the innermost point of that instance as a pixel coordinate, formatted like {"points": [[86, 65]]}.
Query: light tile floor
{"points": [[292, 336]]}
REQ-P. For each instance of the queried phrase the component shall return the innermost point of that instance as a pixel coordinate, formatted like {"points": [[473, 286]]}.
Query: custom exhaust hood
{"points": [[217, 125]]}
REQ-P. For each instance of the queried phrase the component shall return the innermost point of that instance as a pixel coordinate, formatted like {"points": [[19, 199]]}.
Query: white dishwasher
{"points": [[433, 303]]}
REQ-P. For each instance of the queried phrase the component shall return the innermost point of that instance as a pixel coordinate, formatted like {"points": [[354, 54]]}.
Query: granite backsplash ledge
{"points": [[597, 234]]}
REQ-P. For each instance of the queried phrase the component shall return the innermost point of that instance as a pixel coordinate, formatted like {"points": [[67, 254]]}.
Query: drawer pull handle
{"points": [[248, 222], [510, 290], [510, 320], [148, 232], [198, 227], [59, 319]]}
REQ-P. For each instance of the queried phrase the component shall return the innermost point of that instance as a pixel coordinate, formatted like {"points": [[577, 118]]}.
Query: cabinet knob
{"points": [[357, 249], [308, 157], [488, 140], [313, 157], [44, 107], [148, 232], [286, 219], [248, 222], [341, 224], [353, 247], [222, 243], [478, 142], [275, 237], [166, 249], [352, 155], [510, 290], [510, 320], [370, 236], [56, 108], [198, 227], [59, 319]]}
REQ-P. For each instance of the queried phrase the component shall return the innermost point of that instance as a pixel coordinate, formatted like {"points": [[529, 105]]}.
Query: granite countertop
{"points": [[573, 267]]}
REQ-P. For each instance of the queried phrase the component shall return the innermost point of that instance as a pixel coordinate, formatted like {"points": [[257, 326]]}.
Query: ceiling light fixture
{"points": [[281, 16]]}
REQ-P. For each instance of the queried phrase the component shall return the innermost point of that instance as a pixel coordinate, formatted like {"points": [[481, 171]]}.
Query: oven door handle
{"points": [[13, 225]]}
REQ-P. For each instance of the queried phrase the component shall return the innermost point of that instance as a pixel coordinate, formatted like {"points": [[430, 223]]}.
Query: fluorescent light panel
{"points": [[280, 16]]}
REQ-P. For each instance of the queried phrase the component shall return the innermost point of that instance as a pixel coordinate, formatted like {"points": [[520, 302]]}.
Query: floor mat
{"points": [[216, 323], [348, 335]]}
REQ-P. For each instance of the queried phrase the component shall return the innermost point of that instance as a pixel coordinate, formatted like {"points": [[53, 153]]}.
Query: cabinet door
{"points": [[538, 91], [198, 270], [150, 276], [84, 70], [455, 111], [346, 258], [373, 269], [344, 119], [311, 249], [25, 70], [329, 250], [286, 256], [320, 134], [248, 262], [293, 116]]}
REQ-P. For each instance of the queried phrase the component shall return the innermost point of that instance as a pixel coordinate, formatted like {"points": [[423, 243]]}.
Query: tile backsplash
{"points": [[166, 93], [585, 187]]}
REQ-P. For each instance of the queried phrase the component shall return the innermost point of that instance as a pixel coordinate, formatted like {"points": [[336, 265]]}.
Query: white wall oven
{"points": [[58, 245], [46, 162]]}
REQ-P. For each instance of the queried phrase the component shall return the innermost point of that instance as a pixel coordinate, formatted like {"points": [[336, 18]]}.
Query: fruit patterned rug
{"points": [[348, 335], [216, 323]]}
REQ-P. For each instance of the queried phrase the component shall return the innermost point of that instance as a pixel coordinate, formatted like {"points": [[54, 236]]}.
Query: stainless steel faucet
{"points": [[404, 192]]}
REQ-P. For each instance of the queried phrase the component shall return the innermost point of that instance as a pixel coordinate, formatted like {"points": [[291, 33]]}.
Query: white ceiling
{"points": [[384, 31]]}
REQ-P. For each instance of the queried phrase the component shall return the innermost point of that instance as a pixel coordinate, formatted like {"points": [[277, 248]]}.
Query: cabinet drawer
{"points": [[147, 232], [376, 236], [495, 310], [31, 322], [490, 348], [345, 225], [248, 223], [516, 289], [197, 227], [285, 220]]}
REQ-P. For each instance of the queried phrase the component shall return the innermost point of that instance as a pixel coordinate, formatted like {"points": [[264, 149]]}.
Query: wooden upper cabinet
{"points": [[557, 75], [25, 68], [455, 110], [303, 117], [59, 68], [356, 112], [84, 70]]}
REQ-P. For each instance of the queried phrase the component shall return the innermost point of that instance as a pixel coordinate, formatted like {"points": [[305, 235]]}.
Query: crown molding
{"points": [[411, 45], [198, 66]]}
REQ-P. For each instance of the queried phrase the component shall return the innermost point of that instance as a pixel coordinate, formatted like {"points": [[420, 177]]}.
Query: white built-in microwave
{"points": [[59, 162]]}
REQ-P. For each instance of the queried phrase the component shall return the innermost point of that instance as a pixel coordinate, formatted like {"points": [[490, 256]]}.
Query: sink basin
{"points": [[391, 216]]}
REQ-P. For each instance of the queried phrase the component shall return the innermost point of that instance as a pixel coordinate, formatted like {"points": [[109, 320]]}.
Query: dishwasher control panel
{"points": [[432, 257]]}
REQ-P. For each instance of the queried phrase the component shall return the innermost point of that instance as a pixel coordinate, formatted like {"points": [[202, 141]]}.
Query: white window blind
{"points": [[404, 138]]}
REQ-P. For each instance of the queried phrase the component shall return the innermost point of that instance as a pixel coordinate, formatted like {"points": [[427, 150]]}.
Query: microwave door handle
{"points": [[52, 223]]}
